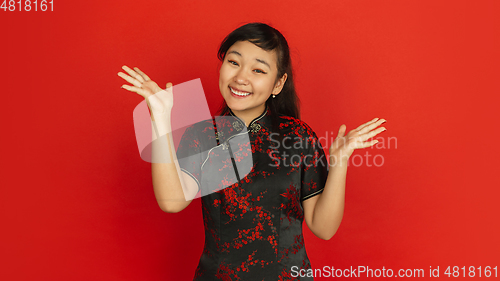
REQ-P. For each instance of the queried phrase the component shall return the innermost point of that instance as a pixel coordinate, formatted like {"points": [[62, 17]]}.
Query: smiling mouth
{"points": [[238, 93]]}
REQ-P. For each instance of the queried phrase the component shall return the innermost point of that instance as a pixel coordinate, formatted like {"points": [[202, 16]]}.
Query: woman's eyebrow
{"points": [[259, 60], [234, 52], [264, 62]]}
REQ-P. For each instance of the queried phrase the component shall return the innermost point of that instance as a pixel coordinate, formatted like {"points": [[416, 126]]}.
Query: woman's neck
{"points": [[250, 114]]}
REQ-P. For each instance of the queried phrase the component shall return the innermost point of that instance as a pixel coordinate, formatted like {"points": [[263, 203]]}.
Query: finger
{"points": [[134, 89], [369, 143], [373, 133], [143, 75], [130, 79], [371, 126], [362, 144], [341, 131], [366, 124], [169, 87], [133, 73]]}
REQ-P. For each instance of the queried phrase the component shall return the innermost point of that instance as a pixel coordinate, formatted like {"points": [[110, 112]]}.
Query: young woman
{"points": [[253, 221]]}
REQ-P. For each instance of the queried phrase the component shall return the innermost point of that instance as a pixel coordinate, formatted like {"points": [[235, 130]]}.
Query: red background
{"points": [[77, 201]]}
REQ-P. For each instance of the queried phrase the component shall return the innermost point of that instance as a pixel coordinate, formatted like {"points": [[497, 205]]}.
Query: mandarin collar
{"points": [[255, 125]]}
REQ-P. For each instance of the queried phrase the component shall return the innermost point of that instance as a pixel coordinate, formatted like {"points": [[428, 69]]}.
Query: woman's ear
{"points": [[279, 84]]}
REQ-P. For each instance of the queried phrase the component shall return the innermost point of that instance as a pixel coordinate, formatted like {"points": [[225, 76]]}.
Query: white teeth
{"points": [[241, 94]]}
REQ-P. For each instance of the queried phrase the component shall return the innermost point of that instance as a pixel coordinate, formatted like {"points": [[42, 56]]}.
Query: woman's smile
{"points": [[238, 93]]}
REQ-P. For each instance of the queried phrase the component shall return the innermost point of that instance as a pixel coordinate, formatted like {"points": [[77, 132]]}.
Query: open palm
{"points": [[344, 145], [158, 100]]}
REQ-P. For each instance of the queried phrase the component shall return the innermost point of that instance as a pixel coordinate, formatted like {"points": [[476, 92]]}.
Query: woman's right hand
{"points": [[158, 101]]}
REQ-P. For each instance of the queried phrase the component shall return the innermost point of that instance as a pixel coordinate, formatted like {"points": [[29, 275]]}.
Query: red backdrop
{"points": [[77, 201]]}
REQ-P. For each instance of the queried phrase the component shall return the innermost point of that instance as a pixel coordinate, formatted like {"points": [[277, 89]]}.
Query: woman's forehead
{"points": [[247, 50]]}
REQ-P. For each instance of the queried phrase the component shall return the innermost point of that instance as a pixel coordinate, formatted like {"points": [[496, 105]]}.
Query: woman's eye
{"points": [[232, 62], [259, 71]]}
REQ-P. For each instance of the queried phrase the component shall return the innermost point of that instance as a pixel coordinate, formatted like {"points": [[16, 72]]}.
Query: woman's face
{"points": [[247, 78]]}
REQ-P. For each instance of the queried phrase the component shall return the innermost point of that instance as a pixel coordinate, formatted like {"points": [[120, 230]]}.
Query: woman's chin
{"points": [[236, 108], [234, 105]]}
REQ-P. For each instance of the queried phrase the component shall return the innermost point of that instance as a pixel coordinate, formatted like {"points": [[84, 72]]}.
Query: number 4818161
{"points": [[27, 5], [472, 271]]}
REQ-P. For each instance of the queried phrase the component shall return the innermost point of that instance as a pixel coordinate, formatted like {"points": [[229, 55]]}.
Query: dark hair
{"points": [[269, 39]]}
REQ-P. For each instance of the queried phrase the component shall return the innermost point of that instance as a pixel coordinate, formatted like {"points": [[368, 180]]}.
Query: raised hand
{"points": [[158, 101], [343, 146]]}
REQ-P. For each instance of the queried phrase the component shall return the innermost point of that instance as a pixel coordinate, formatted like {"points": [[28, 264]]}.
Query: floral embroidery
{"points": [[253, 228]]}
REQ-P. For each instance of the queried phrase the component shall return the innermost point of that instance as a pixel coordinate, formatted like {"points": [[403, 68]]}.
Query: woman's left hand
{"points": [[343, 146]]}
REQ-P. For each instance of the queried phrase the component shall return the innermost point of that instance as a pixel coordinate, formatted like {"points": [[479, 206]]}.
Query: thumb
{"points": [[169, 85], [341, 131]]}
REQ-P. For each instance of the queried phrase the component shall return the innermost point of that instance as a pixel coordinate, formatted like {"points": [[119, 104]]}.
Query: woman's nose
{"points": [[241, 77]]}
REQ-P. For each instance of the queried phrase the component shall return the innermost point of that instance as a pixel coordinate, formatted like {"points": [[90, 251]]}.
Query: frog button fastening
{"points": [[237, 125], [255, 127], [219, 135]]}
